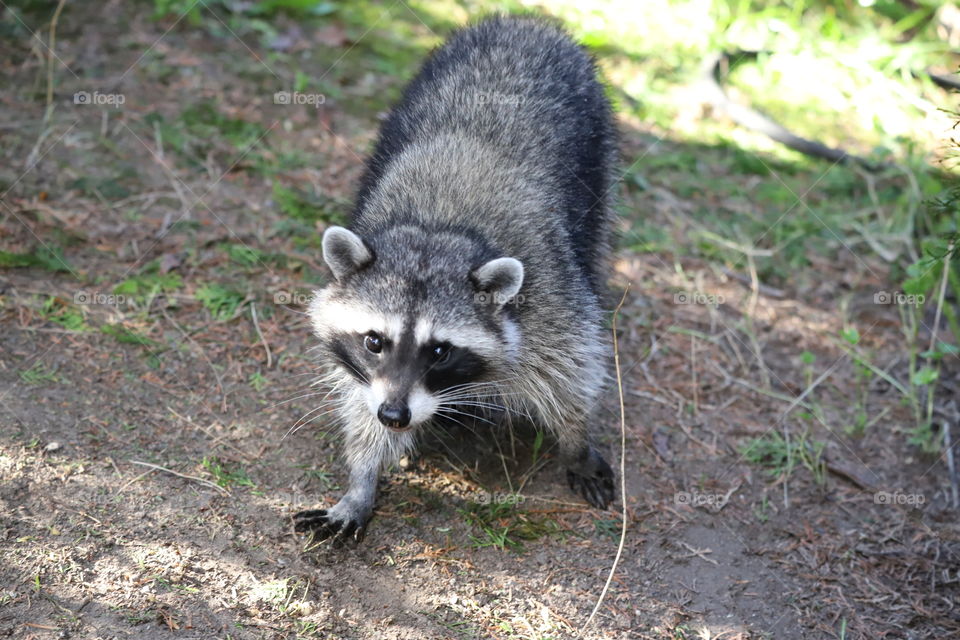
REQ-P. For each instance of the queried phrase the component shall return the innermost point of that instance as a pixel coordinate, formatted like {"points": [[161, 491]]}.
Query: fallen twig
{"points": [[256, 325], [623, 458], [202, 481]]}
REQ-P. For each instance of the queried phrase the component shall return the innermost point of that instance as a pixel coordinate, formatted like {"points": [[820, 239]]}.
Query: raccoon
{"points": [[471, 278]]}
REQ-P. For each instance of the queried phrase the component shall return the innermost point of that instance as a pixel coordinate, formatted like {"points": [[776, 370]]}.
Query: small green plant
{"points": [[808, 359], [257, 381], [221, 302], [147, 285], [64, 314], [930, 278], [123, 335], [610, 527], [49, 259], [38, 374], [504, 526], [307, 207], [226, 476], [779, 455], [537, 448], [762, 511], [244, 255], [324, 477]]}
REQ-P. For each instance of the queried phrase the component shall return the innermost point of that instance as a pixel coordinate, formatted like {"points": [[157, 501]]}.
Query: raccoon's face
{"points": [[415, 322]]}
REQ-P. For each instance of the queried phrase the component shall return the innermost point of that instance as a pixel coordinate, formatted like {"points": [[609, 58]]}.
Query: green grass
{"points": [[504, 526], [63, 313], [49, 259], [148, 284], [222, 303], [308, 207], [202, 129], [226, 475], [39, 373], [780, 455], [124, 335]]}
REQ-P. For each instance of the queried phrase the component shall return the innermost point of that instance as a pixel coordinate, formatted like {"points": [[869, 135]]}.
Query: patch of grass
{"points": [[49, 259], [610, 527], [39, 373], [63, 313], [123, 335], [222, 303], [252, 257], [504, 526], [257, 381], [148, 284], [244, 255], [225, 475], [106, 188], [308, 207], [780, 456], [201, 129]]}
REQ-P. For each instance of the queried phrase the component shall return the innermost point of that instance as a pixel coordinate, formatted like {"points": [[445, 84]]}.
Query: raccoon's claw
{"points": [[324, 525], [597, 487]]}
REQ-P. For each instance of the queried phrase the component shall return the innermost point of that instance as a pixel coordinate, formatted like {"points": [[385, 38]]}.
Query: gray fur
{"points": [[470, 195]]}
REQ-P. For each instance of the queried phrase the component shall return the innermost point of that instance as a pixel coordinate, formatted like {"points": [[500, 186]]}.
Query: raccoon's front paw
{"points": [[325, 524], [594, 482]]}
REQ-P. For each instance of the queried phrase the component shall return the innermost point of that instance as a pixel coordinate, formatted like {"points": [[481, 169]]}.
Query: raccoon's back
{"points": [[522, 86]]}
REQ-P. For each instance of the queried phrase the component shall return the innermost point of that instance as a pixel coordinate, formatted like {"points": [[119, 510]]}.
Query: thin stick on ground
{"points": [[623, 465], [256, 325], [157, 467], [951, 465]]}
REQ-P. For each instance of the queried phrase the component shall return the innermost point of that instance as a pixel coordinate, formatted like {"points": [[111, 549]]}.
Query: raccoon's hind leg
{"points": [[589, 474]]}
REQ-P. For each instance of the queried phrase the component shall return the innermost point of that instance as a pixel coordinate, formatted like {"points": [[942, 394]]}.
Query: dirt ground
{"points": [[147, 476]]}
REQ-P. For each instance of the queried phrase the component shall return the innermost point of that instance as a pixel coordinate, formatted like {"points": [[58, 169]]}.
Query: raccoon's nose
{"points": [[394, 416]]}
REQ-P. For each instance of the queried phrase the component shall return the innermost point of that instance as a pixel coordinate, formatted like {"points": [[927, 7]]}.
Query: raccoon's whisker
{"points": [[465, 426], [481, 384], [296, 427], [448, 411], [312, 393], [356, 371], [507, 409], [473, 400], [482, 407], [300, 422], [498, 401], [489, 391], [301, 397]]}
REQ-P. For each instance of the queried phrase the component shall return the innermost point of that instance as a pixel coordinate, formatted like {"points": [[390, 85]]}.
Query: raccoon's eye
{"points": [[373, 342], [441, 352]]}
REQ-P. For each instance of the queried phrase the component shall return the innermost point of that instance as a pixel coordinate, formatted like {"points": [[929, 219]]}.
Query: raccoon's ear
{"points": [[344, 252], [501, 278]]}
